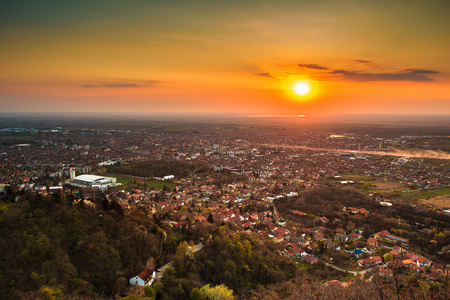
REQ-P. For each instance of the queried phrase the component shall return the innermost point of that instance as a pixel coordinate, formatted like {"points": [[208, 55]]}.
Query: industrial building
{"points": [[93, 181]]}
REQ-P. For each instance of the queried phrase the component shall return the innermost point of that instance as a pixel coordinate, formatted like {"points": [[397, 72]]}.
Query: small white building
{"points": [[109, 163], [144, 278], [55, 189]]}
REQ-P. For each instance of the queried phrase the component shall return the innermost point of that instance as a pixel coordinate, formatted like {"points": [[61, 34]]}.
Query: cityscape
{"points": [[349, 208]]}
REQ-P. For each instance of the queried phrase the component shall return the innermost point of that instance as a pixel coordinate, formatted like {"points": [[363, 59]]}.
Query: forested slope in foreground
{"points": [[53, 248], [51, 245]]}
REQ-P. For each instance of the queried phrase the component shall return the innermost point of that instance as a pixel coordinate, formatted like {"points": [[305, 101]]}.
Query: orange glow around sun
{"points": [[301, 89]]}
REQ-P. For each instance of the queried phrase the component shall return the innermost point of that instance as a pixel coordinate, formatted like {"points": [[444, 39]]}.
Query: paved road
{"points": [[351, 272], [343, 270], [198, 247], [163, 269]]}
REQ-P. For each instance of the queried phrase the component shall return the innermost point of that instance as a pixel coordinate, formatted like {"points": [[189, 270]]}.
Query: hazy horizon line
{"points": [[233, 114]]}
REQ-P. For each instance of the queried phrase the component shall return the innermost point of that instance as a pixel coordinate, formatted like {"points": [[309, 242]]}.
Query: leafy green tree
{"points": [[210, 218], [114, 205], [387, 257], [105, 204], [247, 248], [97, 261], [230, 266], [50, 293], [60, 268], [134, 297], [316, 249], [159, 289], [218, 292], [182, 248], [196, 294], [149, 292]]}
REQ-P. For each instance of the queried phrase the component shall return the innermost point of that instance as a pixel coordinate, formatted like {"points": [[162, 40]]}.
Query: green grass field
{"points": [[28, 137], [433, 193], [157, 185]]}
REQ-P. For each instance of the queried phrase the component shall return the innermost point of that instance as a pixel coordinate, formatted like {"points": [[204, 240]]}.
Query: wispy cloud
{"points": [[268, 75], [124, 84], [420, 71], [326, 73], [313, 66], [406, 75], [361, 62]]}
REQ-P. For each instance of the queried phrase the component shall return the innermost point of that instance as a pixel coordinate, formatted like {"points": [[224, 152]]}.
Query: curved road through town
{"points": [[343, 270]]}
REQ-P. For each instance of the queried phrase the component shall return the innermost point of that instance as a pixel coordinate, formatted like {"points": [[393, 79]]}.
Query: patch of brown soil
{"points": [[442, 202], [388, 185]]}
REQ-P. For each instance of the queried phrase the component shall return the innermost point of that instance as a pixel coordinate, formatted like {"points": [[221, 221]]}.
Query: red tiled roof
{"points": [[145, 275], [386, 272], [371, 240]]}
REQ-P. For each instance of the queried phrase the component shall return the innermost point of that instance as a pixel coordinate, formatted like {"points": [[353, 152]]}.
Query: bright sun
{"points": [[302, 88]]}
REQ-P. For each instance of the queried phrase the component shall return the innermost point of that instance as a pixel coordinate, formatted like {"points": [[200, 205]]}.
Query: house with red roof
{"points": [[372, 242], [395, 254], [144, 278], [354, 236], [358, 210], [340, 230], [299, 252], [310, 259], [371, 261], [420, 261], [201, 218], [247, 225], [408, 263], [318, 236], [298, 213]]}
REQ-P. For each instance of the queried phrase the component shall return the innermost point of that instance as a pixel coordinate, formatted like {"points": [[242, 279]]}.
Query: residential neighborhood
{"points": [[317, 199]]}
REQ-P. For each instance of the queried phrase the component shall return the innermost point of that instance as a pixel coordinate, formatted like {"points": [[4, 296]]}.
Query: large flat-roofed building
{"points": [[384, 234], [93, 181]]}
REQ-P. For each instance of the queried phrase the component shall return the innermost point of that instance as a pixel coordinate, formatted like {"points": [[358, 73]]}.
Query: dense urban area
{"points": [[222, 211]]}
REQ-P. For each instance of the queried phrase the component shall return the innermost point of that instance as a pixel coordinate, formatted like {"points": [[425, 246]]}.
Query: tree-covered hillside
{"points": [[50, 246]]}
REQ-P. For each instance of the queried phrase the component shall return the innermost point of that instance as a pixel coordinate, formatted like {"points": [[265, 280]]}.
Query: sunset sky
{"points": [[238, 57]]}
